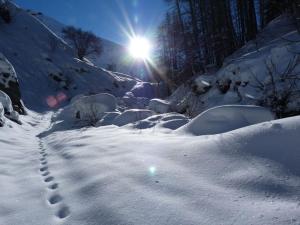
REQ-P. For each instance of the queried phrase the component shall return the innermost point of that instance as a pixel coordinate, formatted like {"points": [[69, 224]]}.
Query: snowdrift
{"points": [[131, 116], [226, 118], [121, 176]]}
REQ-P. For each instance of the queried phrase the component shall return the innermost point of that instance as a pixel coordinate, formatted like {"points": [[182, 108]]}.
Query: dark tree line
{"points": [[196, 35]]}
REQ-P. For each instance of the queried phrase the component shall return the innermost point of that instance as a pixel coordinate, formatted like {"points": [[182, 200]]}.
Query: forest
{"points": [[197, 35]]}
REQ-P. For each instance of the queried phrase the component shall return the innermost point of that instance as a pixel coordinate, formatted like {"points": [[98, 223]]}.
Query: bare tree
{"points": [[85, 43], [281, 88], [4, 12]]}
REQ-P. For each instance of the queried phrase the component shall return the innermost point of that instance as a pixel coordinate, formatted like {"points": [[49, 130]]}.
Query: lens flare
{"points": [[152, 170]]}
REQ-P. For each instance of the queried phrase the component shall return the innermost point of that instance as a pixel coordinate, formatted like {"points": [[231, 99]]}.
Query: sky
{"points": [[110, 19]]}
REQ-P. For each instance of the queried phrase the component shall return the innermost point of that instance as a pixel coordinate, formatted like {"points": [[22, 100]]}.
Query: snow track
{"points": [[53, 196]]}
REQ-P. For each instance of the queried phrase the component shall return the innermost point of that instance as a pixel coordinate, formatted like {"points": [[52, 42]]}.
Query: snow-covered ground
{"points": [[111, 175]]}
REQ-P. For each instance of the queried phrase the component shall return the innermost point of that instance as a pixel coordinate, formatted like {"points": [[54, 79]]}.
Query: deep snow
{"points": [[111, 175]]}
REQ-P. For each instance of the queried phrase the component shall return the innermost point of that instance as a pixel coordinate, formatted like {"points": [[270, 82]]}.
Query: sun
{"points": [[140, 48]]}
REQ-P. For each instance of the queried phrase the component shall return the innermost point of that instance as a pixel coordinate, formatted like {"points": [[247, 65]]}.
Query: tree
{"points": [[85, 43], [5, 13]]}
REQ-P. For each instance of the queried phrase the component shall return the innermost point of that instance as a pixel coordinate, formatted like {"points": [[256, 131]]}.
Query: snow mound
{"points": [[159, 105], [107, 119], [171, 121], [130, 101], [131, 116], [93, 107], [226, 118]]}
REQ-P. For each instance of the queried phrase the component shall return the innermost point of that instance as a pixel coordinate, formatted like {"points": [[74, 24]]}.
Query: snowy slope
{"points": [[46, 68], [246, 76], [114, 56], [113, 176]]}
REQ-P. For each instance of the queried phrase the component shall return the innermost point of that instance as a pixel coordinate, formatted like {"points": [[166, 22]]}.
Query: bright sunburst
{"points": [[140, 48]]}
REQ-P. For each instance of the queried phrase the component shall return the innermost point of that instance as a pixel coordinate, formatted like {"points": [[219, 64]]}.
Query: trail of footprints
{"points": [[54, 198]]}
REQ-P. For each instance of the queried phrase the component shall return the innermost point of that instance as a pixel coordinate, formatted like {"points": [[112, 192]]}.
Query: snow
{"points": [[107, 119], [52, 72], [6, 102], [245, 76], [226, 118], [159, 105], [86, 107], [116, 175], [136, 164], [132, 115]]}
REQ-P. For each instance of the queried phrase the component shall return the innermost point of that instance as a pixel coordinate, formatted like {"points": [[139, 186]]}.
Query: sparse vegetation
{"points": [[85, 43]]}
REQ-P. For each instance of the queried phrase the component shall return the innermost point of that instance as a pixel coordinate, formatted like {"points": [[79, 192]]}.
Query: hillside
{"points": [[264, 72], [113, 56], [46, 65]]}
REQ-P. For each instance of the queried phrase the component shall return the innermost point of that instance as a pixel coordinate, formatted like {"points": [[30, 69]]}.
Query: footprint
{"points": [[44, 163], [44, 168], [48, 179], [63, 212], [42, 159], [44, 154], [53, 186], [55, 199], [46, 173]]}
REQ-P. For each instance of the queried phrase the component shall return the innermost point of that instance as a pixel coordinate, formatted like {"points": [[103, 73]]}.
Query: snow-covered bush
{"points": [[226, 118], [159, 105], [91, 109], [131, 116], [281, 87]]}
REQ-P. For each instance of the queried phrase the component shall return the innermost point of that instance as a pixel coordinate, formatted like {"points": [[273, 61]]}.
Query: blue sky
{"points": [[106, 18]]}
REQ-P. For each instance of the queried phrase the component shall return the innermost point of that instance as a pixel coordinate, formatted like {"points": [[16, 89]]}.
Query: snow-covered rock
{"points": [[159, 105], [149, 90], [6, 102], [131, 116], [130, 101], [226, 118], [107, 119], [7, 109], [9, 84], [2, 119]]}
